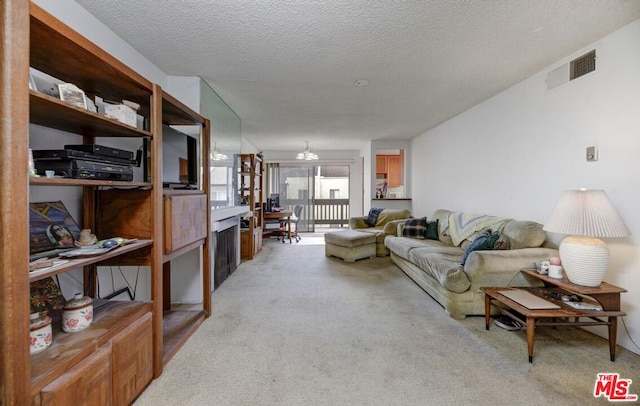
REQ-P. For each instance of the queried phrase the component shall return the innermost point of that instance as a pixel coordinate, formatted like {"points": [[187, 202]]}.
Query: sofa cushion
{"points": [[443, 264], [372, 218], [349, 238], [388, 215], [402, 245], [484, 242], [524, 234], [415, 228]]}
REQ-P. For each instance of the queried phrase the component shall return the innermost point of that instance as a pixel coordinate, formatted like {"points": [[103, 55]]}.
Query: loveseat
{"points": [[436, 263], [381, 222]]}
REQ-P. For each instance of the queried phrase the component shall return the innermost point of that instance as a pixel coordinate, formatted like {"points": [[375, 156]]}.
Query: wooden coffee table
{"points": [[608, 296]]}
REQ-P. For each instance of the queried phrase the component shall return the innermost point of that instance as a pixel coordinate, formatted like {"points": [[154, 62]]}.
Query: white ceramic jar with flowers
{"points": [[40, 333], [77, 314]]}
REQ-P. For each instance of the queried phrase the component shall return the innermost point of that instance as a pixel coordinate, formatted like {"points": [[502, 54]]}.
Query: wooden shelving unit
{"points": [[249, 171], [96, 365], [189, 211]]}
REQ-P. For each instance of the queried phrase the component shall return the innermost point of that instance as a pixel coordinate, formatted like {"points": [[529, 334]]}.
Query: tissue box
{"points": [[122, 113]]}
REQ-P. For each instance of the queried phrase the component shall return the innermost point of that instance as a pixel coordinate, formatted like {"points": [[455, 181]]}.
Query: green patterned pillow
{"points": [[432, 230]]}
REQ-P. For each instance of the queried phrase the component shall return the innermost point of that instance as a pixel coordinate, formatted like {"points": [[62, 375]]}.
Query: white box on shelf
{"points": [[122, 113]]}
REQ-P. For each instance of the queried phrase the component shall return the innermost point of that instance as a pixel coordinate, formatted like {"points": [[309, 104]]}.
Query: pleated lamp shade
{"points": [[585, 215]]}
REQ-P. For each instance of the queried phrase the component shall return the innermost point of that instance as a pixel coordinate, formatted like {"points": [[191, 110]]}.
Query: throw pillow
{"points": [[432, 230], [415, 228], [372, 218], [485, 242]]}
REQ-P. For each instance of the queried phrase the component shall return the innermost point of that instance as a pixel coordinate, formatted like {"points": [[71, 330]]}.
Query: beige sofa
{"points": [[435, 264], [386, 224]]}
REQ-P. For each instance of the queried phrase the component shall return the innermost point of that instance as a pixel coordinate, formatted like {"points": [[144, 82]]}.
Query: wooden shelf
{"points": [[81, 262], [178, 326], [126, 339], [250, 195], [174, 112], [48, 111], [68, 349], [42, 181], [93, 70]]}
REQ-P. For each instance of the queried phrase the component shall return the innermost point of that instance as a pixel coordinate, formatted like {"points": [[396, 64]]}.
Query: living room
{"points": [[511, 155]]}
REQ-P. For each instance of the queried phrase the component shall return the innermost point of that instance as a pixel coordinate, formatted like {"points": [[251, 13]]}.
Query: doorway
{"points": [[322, 190]]}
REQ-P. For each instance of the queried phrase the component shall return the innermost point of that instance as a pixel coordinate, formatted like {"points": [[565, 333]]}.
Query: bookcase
{"points": [[249, 171], [113, 360]]}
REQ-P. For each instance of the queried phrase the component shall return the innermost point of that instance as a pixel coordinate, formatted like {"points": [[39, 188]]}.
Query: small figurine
{"points": [[86, 238]]}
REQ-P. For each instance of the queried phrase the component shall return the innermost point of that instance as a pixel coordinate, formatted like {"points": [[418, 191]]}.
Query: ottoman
{"points": [[350, 245]]}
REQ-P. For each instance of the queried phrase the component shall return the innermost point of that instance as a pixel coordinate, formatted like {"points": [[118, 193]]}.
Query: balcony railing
{"points": [[333, 212]]}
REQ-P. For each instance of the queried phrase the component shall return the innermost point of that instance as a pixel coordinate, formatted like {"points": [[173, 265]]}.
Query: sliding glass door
{"points": [[322, 190], [296, 188]]}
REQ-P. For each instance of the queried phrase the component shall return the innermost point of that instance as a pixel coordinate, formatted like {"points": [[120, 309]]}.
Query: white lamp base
{"points": [[585, 260]]}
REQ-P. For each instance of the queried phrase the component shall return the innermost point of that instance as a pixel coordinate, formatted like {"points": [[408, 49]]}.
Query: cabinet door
{"points": [[381, 164], [131, 358], [88, 383], [394, 170], [184, 220]]}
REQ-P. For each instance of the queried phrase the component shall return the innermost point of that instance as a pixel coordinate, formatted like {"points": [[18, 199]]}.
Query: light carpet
{"points": [[293, 327]]}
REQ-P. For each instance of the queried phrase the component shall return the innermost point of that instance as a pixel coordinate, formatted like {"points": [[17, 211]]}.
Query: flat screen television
{"points": [[179, 159]]}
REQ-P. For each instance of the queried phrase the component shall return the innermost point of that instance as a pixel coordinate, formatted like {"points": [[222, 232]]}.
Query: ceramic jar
{"points": [[40, 334], [77, 314]]}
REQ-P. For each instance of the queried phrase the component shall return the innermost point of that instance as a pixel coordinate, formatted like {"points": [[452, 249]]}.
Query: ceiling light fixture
{"points": [[216, 155], [362, 82], [307, 155]]}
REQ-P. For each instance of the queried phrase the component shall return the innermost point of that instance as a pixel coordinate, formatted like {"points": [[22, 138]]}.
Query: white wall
{"points": [[515, 153]]}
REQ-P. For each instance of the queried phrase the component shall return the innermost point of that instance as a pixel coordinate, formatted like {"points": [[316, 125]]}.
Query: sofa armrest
{"points": [[358, 222], [501, 267]]}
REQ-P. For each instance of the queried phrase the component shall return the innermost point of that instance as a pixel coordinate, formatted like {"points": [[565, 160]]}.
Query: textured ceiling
{"points": [[288, 67]]}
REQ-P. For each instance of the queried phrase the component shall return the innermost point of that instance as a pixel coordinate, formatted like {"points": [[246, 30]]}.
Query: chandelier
{"points": [[216, 155], [307, 155]]}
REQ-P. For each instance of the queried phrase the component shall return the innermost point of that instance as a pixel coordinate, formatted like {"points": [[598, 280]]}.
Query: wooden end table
{"points": [[608, 296]]}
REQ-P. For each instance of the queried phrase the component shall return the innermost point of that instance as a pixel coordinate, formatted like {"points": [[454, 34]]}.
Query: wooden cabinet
{"points": [[88, 383], [115, 358], [391, 167], [249, 171], [103, 364], [394, 170], [132, 360], [381, 164], [184, 220]]}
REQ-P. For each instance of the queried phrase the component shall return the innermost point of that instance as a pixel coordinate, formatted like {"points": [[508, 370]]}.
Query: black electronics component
{"points": [[102, 150], [81, 169], [52, 154]]}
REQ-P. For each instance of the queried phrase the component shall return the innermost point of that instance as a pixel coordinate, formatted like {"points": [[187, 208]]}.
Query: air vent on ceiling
{"points": [[583, 65], [572, 70]]}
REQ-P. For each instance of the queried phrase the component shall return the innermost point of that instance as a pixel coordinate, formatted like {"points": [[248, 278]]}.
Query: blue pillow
{"points": [[485, 242], [373, 216]]}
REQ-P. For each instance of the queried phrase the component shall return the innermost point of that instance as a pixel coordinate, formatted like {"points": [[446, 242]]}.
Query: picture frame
{"points": [[72, 94]]}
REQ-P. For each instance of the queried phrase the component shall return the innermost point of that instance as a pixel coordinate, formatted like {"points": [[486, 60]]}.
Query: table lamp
{"points": [[585, 215]]}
